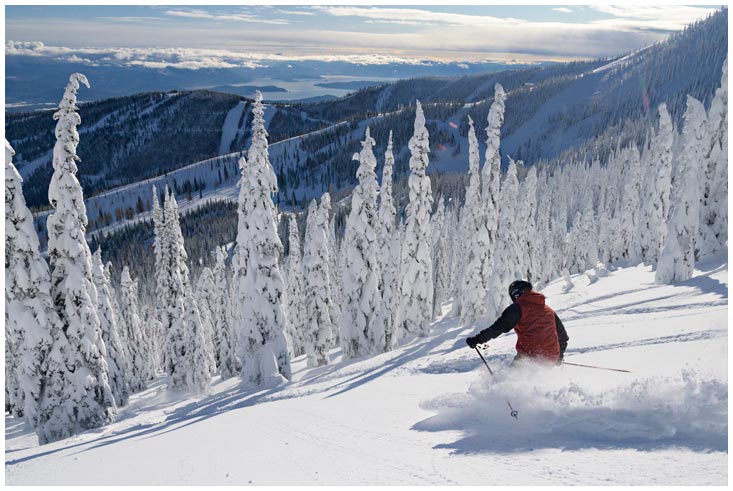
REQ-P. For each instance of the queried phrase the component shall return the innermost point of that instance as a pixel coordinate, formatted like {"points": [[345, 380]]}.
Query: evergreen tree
{"points": [[205, 300], [713, 234], [162, 298], [576, 252], [559, 228], [387, 213], [543, 237], [334, 270], [677, 261], [318, 323], [82, 399], [440, 265], [115, 350], [198, 359], [529, 247], [262, 321], [589, 237], [657, 204], [474, 268], [626, 240], [295, 287], [222, 314], [456, 247], [507, 250], [30, 319], [490, 175], [388, 254], [360, 332], [174, 323], [416, 306], [140, 358]]}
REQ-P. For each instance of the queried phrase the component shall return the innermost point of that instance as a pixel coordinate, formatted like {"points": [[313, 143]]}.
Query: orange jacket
{"points": [[536, 330]]}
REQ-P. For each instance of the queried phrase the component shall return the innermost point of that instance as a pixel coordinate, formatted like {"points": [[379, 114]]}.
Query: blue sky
{"points": [[502, 33]]}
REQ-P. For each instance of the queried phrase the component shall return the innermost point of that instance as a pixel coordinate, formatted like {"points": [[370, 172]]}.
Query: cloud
{"points": [[131, 19], [295, 12], [660, 17], [626, 17], [416, 15], [400, 22], [237, 17], [187, 58], [564, 10]]}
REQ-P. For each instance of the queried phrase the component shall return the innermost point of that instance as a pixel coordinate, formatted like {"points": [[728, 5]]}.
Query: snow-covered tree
{"points": [[115, 350], [589, 241], [491, 172], [456, 248], [205, 290], [677, 261], [507, 248], [575, 250], [84, 400], [30, 319], [360, 333], [607, 212], [261, 321], [626, 244], [657, 202], [334, 270], [174, 259], [295, 287], [529, 247], [543, 228], [474, 266], [416, 305], [188, 351], [713, 235], [162, 279], [318, 324], [558, 235], [188, 360], [140, 357], [388, 247], [226, 352], [387, 213], [440, 261], [198, 359]]}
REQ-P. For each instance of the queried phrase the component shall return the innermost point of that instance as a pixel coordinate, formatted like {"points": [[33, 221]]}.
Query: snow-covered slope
{"points": [[428, 413]]}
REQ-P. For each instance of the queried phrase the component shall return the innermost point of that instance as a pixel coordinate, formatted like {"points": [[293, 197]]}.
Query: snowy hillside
{"points": [[428, 412]]}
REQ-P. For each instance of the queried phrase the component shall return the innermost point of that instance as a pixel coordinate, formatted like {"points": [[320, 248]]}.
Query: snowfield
{"points": [[429, 413]]}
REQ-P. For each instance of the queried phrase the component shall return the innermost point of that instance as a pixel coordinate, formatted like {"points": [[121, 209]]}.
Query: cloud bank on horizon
{"points": [[250, 36]]}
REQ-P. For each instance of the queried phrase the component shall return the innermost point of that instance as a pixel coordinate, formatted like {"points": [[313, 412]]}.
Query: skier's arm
{"points": [[505, 323], [562, 335]]}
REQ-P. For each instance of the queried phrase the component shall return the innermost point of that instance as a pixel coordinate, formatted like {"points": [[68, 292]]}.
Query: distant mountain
{"points": [[246, 90], [318, 98], [123, 140], [351, 85], [32, 81]]}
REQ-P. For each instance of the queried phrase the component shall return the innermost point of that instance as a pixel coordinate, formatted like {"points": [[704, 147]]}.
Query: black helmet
{"points": [[518, 287]]}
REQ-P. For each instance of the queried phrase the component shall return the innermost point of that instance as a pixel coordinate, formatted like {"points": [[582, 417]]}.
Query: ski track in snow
{"points": [[428, 413]]}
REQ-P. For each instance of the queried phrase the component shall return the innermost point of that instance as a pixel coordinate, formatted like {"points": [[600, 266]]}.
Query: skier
{"points": [[540, 332]]}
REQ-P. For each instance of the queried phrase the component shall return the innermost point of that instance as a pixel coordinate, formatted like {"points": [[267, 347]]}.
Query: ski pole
{"points": [[513, 413], [597, 368]]}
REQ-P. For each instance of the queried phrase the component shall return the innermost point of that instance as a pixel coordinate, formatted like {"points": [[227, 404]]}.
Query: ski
{"points": [[597, 368]]}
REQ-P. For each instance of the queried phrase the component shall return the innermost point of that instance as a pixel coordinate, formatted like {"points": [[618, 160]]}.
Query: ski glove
{"points": [[472, 342]]}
